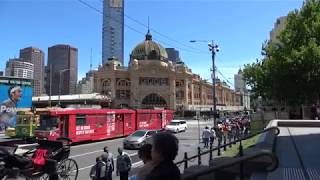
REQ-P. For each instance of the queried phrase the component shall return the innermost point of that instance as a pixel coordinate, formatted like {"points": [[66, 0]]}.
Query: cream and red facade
{"points": [[152, 80]]}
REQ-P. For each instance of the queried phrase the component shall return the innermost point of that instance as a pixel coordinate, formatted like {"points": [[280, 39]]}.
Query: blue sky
{"points": [[238, 26]]}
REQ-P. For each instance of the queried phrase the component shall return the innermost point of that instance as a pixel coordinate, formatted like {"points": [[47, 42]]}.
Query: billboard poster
{"points": [[14, 93]]}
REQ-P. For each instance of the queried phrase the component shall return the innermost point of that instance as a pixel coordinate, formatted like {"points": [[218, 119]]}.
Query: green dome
{"points": [[149, 49]]}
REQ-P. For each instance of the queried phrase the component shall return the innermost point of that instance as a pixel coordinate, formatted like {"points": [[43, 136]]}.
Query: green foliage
{"points": [[290, 71]]}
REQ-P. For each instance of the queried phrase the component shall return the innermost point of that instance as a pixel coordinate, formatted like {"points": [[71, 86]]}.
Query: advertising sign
{"points": [[14, 93]]}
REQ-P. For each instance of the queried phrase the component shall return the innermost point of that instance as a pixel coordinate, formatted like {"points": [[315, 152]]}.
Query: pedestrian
{"points": [[218, 131], [212, 136], [123, 165], [317, 112], [206, 136], [313, 111], [225, 132], [144, 154], [164, 151], [98, 171], [107, 158]]}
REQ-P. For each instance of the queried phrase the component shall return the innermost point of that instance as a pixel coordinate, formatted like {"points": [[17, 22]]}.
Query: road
{"points": [[85, 154]]}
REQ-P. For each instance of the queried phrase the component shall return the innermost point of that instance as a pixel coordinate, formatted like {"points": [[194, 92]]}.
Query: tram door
{"points": [[64, 126], [120, 124]]}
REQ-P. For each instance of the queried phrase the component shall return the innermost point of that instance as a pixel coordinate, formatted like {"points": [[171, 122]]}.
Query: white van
{"points": [[177, 126]]}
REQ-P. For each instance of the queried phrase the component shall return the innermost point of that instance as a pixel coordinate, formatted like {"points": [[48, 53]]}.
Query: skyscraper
{"points": [[36, 57], [113, 30], [173, 55], [63, 64], [279, 26], [16, 67], [239, 83]]}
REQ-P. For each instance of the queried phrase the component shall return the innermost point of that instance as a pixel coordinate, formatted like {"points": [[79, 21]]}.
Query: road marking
{"points": [[95, 143], [93, 152], [78, 155], [134, 165]]}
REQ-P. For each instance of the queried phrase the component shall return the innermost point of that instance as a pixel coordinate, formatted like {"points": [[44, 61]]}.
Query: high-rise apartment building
{"points": [[173, 55], [16, 67], [113, 30], [63, 66], [86, 84], [279, 25], [239, 83], [36, 57]]}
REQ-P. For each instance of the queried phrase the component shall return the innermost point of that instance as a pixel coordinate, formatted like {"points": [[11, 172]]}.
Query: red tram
{"points": [[97, 124]]}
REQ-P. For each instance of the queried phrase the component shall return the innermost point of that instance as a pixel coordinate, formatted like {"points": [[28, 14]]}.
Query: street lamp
{"points": [[60, 74], [213, 48]]}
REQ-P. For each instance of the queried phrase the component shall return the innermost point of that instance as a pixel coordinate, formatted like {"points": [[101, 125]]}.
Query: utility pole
{"points": [[213, 48]]}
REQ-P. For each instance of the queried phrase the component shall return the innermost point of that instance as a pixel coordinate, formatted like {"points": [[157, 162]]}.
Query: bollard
{"points": [[224, 143], [185, 160], [210, 155], [219, 147], [199, 156]]}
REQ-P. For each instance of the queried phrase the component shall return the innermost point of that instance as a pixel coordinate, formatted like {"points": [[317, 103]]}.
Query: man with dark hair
{"points": [[107, 158], [164, 150], [123, 165], [206, 136], [144, 154], [98, 171]]}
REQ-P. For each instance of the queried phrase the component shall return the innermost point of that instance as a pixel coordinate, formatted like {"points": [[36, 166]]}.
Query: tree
{"points": [[290, 69]]}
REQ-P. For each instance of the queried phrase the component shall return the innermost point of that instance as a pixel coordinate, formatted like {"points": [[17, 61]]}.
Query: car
{"points": [[177, 126], [138, 139]]}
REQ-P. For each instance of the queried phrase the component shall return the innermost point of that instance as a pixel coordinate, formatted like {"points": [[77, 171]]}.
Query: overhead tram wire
{"points": [[161, 34], [137, 31], [165, 36], [226, 79]]}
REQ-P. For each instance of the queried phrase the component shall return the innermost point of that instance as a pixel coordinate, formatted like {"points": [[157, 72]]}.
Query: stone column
{"points": [[192, 95], [134, 98], [172, 93], [186, 93]]}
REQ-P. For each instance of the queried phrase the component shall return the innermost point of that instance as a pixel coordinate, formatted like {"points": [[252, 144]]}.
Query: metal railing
{"points": [[236, 161], [224, 146]]}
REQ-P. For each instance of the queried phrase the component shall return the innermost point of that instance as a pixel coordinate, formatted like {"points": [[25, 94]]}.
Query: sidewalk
{"points": [[201, 122]]}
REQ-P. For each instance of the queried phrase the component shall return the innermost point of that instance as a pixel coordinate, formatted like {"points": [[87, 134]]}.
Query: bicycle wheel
{"points": [[68, 169]]}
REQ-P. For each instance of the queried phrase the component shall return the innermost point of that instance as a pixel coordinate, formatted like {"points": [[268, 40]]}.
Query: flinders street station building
{"points": [[151, 80]]}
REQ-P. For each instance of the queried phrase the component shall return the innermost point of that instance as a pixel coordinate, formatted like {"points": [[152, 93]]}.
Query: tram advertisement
{"points": [[14, 93]]}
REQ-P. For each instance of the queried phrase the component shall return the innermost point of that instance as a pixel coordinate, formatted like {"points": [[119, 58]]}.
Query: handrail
{"points": [[238, 160], [228, 144]]}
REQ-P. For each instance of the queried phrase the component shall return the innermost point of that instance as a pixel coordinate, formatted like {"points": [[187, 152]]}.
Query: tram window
{"points": [[81, 120]]}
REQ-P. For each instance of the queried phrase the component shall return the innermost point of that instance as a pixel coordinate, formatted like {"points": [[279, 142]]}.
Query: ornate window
{"points": [[179, 83], [123, 83], [154, 99], [106, 83], [123, 94], [148, 81], [180, 94]]}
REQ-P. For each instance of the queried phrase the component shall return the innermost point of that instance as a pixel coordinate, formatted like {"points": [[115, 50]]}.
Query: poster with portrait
{"points": [[14, 93]]}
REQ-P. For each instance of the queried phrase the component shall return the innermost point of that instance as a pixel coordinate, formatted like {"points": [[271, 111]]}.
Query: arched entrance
{"points": [[154, 100]]}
